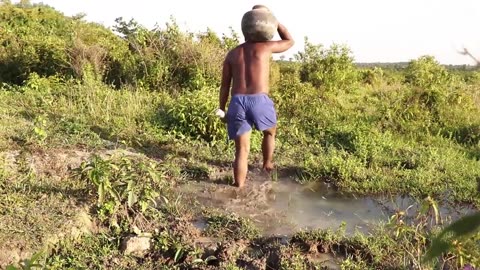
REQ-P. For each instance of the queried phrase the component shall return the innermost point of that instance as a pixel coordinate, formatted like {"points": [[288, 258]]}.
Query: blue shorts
{"points": [[250, 110]]}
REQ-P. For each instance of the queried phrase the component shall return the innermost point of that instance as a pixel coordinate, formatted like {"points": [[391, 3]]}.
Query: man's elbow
{"points": [[291, 43]]}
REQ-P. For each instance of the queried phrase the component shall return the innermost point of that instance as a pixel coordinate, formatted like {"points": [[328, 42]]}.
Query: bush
{"points": [[332, 69], [425, 72], [193, 115], [373, 76], [37, 38], [169, 58]]}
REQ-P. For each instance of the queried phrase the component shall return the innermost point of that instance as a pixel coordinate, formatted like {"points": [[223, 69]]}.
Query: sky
{"points": [[374, 30]]}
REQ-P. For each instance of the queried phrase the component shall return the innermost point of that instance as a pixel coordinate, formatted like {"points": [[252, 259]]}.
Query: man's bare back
{"points": [[250, 68], [247, 67], [246, 71]]}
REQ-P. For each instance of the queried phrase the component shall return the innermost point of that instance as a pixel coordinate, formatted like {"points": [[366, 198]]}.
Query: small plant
{"points": [[39, 129], [192, 115], [231, 226], [99, 172], [196, 172], [452, 239], [294, 261], [125, 182], [28, 264]]}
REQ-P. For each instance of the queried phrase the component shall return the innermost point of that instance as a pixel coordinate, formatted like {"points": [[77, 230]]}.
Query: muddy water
{"points": [[318, 206], [283, 207]]}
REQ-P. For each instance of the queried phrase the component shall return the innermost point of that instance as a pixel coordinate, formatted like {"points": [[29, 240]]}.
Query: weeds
{"points": [[29, 264], [230, 226], [382, 130], [123, 184]]}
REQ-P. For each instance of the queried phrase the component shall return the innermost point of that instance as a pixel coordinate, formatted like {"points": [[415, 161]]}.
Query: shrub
{"points": [[373, 76], [425, 72], [37, 38], [192, 115], [332, 69], [170, 58]]}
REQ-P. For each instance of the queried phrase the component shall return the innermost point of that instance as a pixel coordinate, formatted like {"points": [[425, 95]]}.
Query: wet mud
{"points": [[283, 207]]}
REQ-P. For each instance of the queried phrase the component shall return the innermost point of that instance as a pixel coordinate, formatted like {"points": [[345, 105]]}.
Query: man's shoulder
{"points": [[256, 46], [236, 48], [259, 47], [233, 51]]}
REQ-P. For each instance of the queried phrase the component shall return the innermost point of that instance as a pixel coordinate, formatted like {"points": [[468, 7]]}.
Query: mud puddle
{"points": [[284, 207]]}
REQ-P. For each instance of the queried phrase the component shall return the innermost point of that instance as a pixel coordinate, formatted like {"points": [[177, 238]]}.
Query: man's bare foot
{"points": [[239, 185], [268, 167]]}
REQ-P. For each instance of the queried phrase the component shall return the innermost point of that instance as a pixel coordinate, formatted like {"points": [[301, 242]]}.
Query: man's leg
{"points": [[240, 165], [268, 146]]}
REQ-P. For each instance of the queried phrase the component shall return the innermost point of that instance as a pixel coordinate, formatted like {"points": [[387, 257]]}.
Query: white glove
{"points": [[220, 113]]}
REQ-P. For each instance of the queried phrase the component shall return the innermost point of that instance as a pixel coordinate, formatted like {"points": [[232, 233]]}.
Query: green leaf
{"points": [[198, 260], [115, 194], [101, 193], [143, 205], [132, 198], [32, 266], [36, 257], [154, 176], [462, 227], [130, 185], [438, 247], [178, 254], [113, 166], [210, 258]]}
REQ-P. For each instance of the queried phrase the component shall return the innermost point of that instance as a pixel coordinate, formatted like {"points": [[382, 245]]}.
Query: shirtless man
{"points": [[247, 67]]}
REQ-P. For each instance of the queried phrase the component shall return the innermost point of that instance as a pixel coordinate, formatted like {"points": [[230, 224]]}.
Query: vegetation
{"points": [[107, 123]]}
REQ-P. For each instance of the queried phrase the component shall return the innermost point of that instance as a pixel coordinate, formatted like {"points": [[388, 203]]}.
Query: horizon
{"points": [[374, 31]]}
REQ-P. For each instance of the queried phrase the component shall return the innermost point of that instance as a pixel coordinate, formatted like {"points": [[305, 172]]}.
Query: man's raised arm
{"points": [[286, 43]]}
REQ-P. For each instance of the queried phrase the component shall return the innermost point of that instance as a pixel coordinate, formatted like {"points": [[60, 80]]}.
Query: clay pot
{"points": [[259, 24]]}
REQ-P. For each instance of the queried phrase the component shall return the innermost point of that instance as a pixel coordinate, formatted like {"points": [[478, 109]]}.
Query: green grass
{"points": [[230, 227], [414, 131], [375, 139], [384, 141], [354, 144], [37, 209]]}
